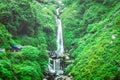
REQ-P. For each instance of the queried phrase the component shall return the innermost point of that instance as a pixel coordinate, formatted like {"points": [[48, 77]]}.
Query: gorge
{"points": [[59, 39]]}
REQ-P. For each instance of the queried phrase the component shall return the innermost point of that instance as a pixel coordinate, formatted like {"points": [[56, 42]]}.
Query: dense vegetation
{"points": [[92, 36], [91, 30], [22, 65], [31, 24]]}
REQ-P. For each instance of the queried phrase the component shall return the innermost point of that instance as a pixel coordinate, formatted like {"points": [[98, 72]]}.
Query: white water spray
{"points": [[60, 48]]}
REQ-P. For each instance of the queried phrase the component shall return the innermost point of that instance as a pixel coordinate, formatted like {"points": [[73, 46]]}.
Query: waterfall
{"points": [[56, 59], [54, 65], [60, 48]]}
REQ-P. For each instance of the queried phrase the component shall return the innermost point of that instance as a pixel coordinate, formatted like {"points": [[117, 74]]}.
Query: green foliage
{"points": [[25, 71], [5, 69], [28, 64], [28, 18], [5, 37], [33, 54], [91, 31], [45, 16], [15, 17], [30, 53], [26, 22]]}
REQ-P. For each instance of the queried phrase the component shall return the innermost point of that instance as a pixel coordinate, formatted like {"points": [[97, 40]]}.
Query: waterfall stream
{"points": [[60, 48], [56, 59]]}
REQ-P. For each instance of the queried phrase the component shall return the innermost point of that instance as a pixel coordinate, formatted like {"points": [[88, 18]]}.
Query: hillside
{"points": [[30, 24], [92, 36], [31, 39]]}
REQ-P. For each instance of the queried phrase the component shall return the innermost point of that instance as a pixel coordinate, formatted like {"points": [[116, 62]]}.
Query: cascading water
{"points": [[54, 66], [60, 48], [56, 62]]}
